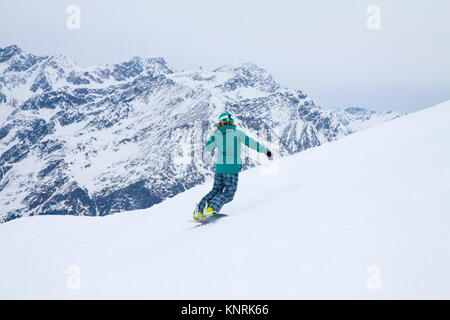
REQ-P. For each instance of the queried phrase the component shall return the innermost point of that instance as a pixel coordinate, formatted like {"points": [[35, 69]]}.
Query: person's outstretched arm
{"points": [[255, 145]]}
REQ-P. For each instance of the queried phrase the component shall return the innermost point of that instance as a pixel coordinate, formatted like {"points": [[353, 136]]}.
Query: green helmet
{"points": [[226, 117]]}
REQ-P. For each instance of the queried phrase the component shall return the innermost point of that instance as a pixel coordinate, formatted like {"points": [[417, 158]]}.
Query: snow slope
{"points": [[314, 229]]}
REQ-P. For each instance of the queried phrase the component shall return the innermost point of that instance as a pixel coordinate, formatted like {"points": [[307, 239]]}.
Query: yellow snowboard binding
{"points": [[200, 215]]}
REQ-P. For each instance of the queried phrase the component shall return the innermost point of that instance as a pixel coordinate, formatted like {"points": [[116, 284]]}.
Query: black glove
{"points": [[269, 155]]}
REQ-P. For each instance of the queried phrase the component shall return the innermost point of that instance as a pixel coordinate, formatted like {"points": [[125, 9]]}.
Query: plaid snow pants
{"points": [[224, 188]]}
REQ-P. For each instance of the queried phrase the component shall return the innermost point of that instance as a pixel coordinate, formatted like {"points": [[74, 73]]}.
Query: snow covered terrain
{"points": [[106, 139], [366, 216]]}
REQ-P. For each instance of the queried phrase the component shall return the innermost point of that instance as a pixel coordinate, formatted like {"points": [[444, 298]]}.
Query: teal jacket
{"points": [[228, 140]]}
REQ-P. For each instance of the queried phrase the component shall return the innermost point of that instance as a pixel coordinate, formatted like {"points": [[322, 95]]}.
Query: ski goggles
{"points": [[225, 123]]}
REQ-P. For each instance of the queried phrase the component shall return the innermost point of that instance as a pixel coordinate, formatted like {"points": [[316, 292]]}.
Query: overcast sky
{"points": [[321, 47]]}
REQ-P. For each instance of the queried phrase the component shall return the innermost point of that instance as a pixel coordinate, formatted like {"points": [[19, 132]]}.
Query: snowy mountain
{"points": [[363, 217], [94, 141]]}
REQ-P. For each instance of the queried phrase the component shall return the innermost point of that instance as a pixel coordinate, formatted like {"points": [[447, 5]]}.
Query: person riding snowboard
{"points": [[227, 139]]}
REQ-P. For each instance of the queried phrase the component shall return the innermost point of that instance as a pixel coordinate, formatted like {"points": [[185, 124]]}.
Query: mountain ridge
{"points": [[129, 135]]}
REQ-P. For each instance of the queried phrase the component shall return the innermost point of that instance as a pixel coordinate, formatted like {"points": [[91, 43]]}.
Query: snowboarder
{"points": [[227, 139]]}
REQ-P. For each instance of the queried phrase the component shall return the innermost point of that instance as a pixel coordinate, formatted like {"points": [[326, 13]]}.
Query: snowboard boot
{"points": [[197, 214], [210, 212]]}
